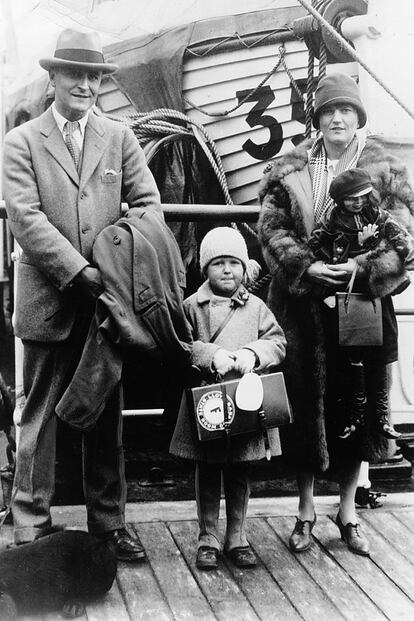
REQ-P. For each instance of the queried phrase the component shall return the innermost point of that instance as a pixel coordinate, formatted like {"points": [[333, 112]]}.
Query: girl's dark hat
{"points": [[338, 88], [353, 182], [80, 50]]}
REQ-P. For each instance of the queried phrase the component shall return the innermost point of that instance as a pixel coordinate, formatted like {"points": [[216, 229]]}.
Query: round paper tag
{"points": [[210, 412]]}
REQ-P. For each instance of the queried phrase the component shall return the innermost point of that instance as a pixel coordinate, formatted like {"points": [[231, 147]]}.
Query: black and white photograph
{"points": [[206, 310]]}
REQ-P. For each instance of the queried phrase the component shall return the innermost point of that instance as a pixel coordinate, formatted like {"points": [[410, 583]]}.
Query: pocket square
{"points": [[110, 171]]}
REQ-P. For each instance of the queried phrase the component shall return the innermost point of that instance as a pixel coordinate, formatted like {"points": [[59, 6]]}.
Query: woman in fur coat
{"points": [[294, 196]]}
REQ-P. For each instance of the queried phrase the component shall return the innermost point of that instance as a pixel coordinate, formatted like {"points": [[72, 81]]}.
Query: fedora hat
{"points": [[81, 50]]}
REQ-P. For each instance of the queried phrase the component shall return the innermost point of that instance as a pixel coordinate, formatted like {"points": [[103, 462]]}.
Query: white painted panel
{"points": [[246, 194], [402, 388], [198, 97], [211, 82], [193, 63], [214, 74]]}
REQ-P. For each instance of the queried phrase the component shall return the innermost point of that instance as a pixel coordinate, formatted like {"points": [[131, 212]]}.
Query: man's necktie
{"points": [[72, 145]]}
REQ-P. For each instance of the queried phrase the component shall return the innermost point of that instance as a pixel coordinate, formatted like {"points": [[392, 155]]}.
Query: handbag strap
{"points": [[350, 286], [262, 422], [349, 291], [226, 418], [223, 324]]}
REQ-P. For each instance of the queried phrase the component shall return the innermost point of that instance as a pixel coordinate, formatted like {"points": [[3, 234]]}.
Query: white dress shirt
{"points": [[78, 134], [331, 168]]}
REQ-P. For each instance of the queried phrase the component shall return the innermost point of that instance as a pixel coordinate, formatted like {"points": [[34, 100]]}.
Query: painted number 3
{"points": [[264, 97]]}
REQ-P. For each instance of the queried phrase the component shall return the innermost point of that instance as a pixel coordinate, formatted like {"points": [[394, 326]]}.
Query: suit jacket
{"points": [[56, 214]]}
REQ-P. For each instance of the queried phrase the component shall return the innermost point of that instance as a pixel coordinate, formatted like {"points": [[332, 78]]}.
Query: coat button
{"points": [[116, 240]]}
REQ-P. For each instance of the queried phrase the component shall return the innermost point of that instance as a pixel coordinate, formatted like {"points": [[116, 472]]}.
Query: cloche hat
{"points": [[338, 88], [82, 50]]}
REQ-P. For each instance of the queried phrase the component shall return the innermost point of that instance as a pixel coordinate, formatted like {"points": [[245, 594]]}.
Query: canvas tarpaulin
{"points": [[151, 71]]}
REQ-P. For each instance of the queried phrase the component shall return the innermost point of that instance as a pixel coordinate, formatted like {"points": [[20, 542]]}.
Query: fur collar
{"points": [[288, 163]]}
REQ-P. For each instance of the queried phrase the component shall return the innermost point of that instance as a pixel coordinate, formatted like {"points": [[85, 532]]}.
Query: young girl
{"points": [[352, 228], [251, 339]]}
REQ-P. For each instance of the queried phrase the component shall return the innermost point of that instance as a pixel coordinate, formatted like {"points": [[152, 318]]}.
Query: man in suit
{"points": [[63, 184]]}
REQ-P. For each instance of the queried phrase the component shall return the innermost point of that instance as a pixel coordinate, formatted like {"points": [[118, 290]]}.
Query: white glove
{"points": [[245, 360], [370, 230], [223, 361]]}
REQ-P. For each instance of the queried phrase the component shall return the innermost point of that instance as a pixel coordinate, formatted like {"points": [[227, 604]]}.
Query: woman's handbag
{"points": [[359, 318]]}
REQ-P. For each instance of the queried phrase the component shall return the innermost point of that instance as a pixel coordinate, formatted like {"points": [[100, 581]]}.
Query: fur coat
{"points": [[285, 224]]}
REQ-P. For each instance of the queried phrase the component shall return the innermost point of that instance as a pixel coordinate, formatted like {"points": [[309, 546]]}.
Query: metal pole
{"points": [[196, 213]]}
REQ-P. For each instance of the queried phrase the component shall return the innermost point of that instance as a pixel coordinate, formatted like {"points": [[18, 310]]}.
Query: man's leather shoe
{"points": [[354, 539], [301, 537], [242, 556], [207, 558], [126, 547]]}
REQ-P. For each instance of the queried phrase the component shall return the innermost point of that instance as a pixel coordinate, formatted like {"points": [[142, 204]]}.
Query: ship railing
{"points": [[187, 213], [249, 213]]}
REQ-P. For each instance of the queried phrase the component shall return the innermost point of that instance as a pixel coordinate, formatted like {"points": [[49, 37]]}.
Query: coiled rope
{"points": [[145, 125]]}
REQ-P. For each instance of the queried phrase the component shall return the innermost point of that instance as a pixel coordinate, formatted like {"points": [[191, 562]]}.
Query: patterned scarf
{"points": [[319, 171]]}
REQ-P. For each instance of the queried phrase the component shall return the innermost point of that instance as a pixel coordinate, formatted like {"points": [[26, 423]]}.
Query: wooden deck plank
{"points": [[6, 536], [330, 576], [264, 594], [227, 601], [327, 582], [406, 518], [394, 531], [392, 563], [170, 511], [296, 583], [110, 608], [142, 595], [370, 578], [177, 583], [51, 616]]}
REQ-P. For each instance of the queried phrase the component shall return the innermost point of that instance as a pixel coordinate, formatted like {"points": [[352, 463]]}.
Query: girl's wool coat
{"points": [[252, 326], [285, 223]]}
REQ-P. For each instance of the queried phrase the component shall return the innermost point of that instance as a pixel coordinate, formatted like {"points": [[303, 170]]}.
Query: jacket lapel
{"points": [[55, 144], [93, 147]]}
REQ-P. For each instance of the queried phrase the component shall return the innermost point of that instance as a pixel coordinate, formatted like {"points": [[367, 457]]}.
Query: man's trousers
{"points": [[47, 370]]}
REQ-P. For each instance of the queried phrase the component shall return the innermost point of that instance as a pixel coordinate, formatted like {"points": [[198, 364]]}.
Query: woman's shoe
{"points": [[207, 558], [301, 537], [353, 537]]}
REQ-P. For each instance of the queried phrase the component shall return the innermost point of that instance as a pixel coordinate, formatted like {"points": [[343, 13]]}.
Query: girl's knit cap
{"points": [[223, 241]]}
